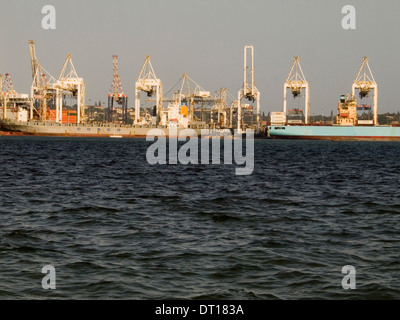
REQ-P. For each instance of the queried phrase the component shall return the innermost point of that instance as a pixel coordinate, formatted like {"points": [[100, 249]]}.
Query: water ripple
{"points": [[117, 228]]}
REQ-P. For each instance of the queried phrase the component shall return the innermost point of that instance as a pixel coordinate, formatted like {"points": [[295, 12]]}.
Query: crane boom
{"points": [[362, 74], [33, 58], [72, 73]]}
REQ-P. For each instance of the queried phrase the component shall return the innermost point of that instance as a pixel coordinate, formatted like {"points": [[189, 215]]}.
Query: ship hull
{"points": [[93, 130], [52, 129], [336, 133]]}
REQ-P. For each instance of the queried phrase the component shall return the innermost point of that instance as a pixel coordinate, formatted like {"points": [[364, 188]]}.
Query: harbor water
{"points": [[115, 227]]}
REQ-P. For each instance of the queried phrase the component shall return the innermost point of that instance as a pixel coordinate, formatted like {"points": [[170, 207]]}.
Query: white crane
{"points": [[296, 82], [8, 95], [7, 90], [148, 82], [188, 94], [68, 82], [42, 88], [364, 82], [249, 90], [193, 93]]}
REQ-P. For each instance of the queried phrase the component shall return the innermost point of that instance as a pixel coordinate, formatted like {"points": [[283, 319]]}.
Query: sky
{"points": [[205, 40]]}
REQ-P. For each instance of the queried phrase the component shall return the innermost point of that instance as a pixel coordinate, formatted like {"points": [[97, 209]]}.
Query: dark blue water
{"points": [[115, 227]]}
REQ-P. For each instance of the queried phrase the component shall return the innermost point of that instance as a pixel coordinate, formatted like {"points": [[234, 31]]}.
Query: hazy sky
{"points": [[205, 39]]}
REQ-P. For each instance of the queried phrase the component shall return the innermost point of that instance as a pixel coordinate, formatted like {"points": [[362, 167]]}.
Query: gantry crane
{"points": [[148, 82], [68, 82], [364, 82], [42, 88], [7, 90], [233, 106], [45, 87], [296, 82], [187, 96], [249, 90], [221, 107], [117, 95], [9, 95], [193, 94]]}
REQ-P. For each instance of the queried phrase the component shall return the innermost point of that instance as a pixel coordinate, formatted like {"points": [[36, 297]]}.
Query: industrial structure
{"points": [[249, 90], [46, 90], [348, 126], [193, 94], [68, 83], [220, 108], [193, 106], [364, 82], [148, 82], [42, 89], [117, 95], [9, 98], [296, 82], [181, 108], [347, 111]]}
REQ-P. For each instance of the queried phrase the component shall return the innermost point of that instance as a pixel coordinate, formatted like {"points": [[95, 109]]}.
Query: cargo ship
{"points": [[335, 133], [17, 122], [346, 128], [20, 126], [41, 128]]}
